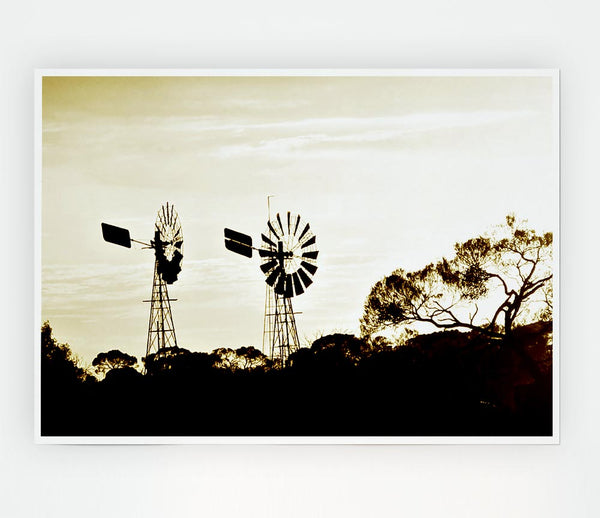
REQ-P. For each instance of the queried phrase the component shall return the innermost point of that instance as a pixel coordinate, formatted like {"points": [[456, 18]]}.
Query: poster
{"points": [[176, 300]]}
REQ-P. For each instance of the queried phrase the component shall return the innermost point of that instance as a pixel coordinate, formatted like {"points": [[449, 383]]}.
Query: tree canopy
{"points": [[508, 273], [180, 361], [113, 359], [59, 364], [243, 358]]}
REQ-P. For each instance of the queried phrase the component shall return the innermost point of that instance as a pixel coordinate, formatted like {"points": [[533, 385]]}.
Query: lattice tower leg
{"points": [[268, 322], [161, 331], [280, 335]]}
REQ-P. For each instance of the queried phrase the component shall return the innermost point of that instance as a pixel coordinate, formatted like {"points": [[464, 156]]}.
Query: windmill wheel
{"points": [[168, 243], [289, 255]]}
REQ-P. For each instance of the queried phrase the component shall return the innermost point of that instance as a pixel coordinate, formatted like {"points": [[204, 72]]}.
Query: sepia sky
{"points": [[389, 172]]}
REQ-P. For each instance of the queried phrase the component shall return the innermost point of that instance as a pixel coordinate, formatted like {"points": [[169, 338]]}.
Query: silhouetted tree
{"points": [[225, 358], [164, 360], [113, 359], [59, 365], [336, 351], [511, 269], [250, 358], [507, 268], [340, 349], [124, 376], [243, 358]]}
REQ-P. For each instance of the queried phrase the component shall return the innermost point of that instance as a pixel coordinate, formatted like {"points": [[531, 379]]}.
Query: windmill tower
{"points": [[288, 259], [168, 254]]}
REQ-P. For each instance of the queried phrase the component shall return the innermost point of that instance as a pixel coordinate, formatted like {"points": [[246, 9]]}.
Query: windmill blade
{"points": [[273, 276], [289, 286], [272, 229], [268, 241], [306, 229], [280, 225], [116, 235], [288, 221], [178, 244], [311, 241], [297, 284], [311, 255], [305, 278], [280, 286], [310, 267], [297, 223], [267, 267]]}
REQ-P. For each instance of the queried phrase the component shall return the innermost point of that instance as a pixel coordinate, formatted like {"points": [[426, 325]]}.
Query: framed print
{"points": [[297, 256]]}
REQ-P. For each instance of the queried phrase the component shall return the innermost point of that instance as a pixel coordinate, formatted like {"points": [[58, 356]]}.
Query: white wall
{"points": [[414, 481]]}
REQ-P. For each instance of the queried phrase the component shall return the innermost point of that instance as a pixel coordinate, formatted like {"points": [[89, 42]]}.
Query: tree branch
{"points": [[496, 276], [536, 286]]}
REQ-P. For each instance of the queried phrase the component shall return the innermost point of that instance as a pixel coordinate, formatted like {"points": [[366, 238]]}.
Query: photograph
{"points": [[297, 256]]}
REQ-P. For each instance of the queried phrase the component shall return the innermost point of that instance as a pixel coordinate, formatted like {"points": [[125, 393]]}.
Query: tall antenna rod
{"points": [[269, 205]]}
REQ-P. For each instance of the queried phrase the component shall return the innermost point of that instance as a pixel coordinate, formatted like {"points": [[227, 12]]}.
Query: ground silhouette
{"points": [[446, 383]]}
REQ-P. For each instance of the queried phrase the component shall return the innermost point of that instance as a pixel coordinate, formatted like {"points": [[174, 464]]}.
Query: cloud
{"points": [[325, 125], [263, 104], [418, 121], [79, 289], [76, 287], [355, 131], [138, 150]]}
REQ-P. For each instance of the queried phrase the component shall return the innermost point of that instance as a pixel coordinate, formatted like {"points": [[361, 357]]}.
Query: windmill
{"points": [[168, 253], [288, 255]]}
